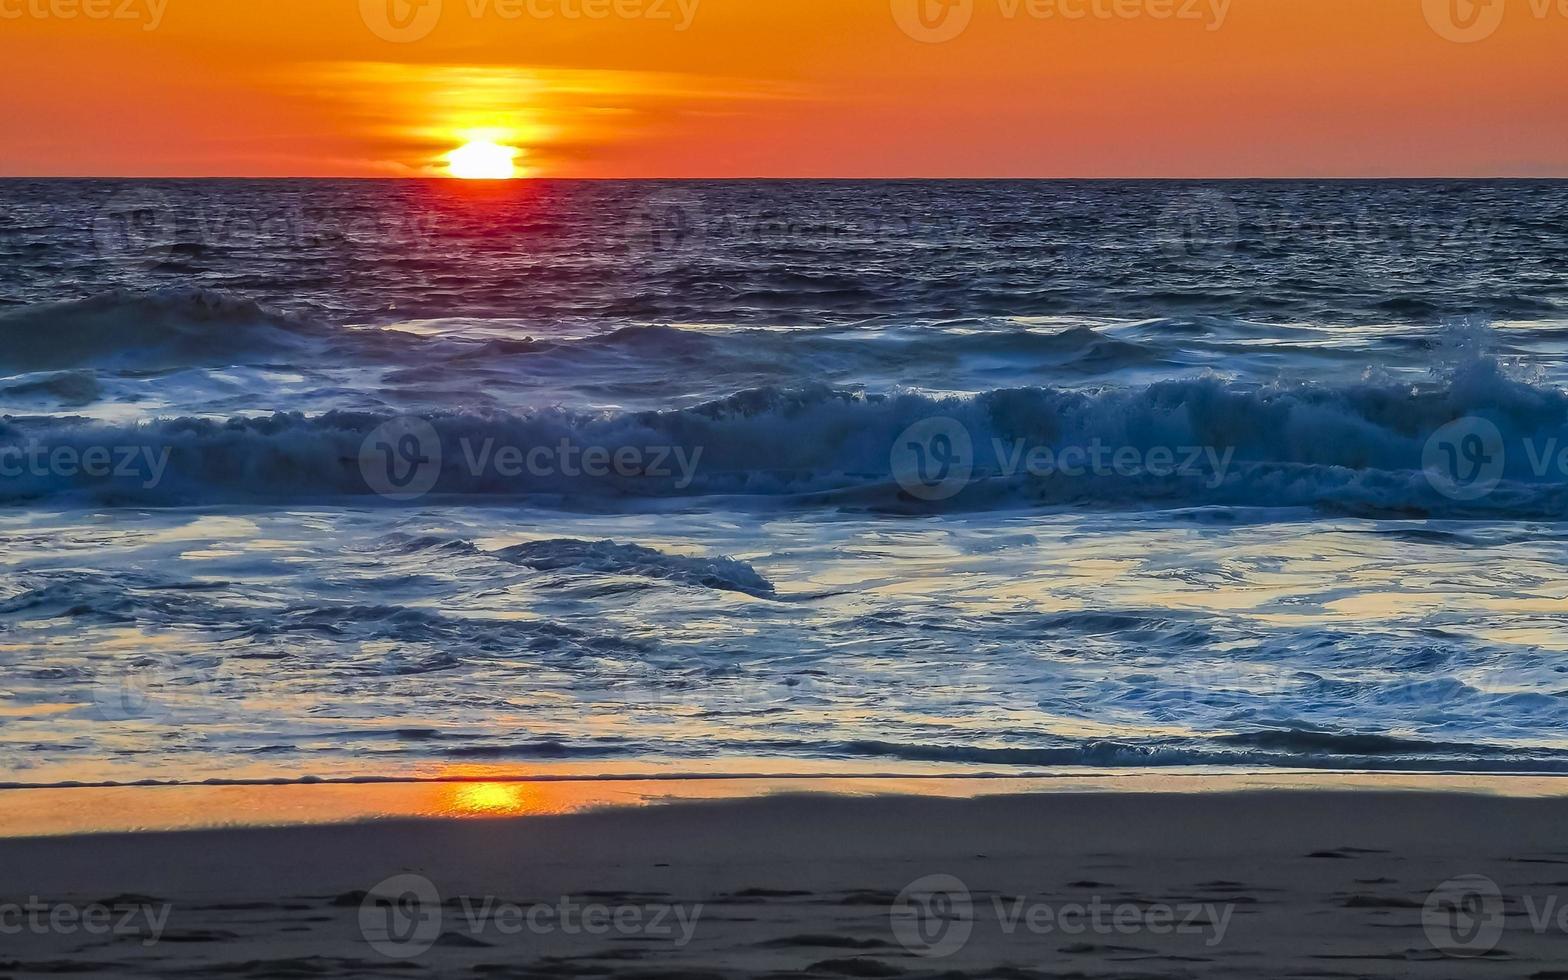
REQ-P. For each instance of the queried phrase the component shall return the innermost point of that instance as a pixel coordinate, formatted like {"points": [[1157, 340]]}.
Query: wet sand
{"points": [[1341, 883]]}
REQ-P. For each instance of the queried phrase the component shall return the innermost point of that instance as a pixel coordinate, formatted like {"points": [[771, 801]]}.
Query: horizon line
{"points": [[755, 178]]}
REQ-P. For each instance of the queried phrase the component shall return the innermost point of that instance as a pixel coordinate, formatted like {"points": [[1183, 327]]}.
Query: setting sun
{"points": [[483, 160]]}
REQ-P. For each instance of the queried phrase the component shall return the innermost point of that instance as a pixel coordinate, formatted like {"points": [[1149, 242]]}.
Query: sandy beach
{"points": [[1280, 883]]}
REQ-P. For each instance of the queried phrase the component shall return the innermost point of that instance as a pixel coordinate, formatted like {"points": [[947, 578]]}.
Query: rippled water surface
{"points": [[1265, 565]]}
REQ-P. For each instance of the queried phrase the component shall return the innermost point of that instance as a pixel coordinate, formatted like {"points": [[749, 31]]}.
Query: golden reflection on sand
{"points": [[490, 799], [56, 812]]}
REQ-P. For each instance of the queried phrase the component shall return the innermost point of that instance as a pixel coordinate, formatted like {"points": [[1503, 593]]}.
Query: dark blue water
{"points": [[804, 252], [367, 478]]}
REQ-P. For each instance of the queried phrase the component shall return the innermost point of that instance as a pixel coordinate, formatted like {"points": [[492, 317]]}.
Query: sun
{"points": [[483, 160]]}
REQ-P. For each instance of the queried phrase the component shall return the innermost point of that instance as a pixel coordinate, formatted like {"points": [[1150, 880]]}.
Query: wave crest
{"points": [[1357, 447], [159, 329]]}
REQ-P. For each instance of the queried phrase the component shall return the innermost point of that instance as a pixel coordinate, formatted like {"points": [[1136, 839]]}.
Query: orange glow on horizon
{"points": [[789, 88]]}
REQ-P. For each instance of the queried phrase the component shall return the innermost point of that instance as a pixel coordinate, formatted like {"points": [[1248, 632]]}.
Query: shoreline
{"points": [[1329, 883], [79, 810]]}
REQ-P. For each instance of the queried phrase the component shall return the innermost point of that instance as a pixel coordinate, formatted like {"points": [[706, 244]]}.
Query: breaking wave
{"points": [[1361, 448], [1267, 748], [609, 557]]}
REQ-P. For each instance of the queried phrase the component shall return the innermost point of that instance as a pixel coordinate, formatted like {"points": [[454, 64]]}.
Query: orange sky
{"points": [[691, 88]]}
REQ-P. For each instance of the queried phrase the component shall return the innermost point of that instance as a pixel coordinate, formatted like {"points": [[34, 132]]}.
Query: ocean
{"points": [[396, 479]]}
